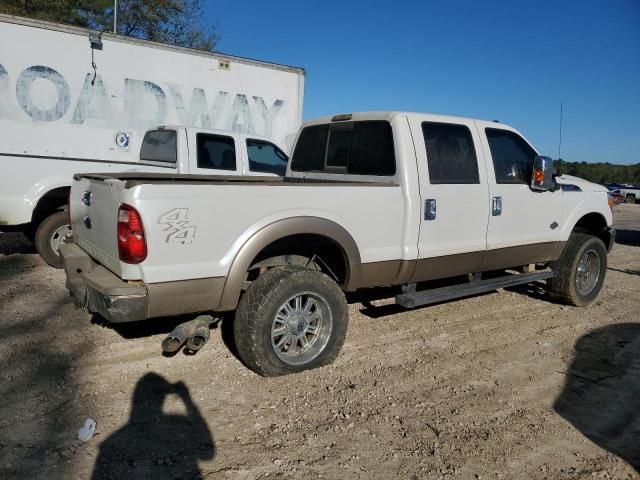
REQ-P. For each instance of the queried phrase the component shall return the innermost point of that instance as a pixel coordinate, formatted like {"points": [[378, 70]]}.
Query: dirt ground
{"points": [[505, 385]]}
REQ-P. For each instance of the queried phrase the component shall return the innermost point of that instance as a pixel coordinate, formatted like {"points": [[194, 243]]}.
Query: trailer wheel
{"points": [[580, 271], [51, 233], [290, 319]]}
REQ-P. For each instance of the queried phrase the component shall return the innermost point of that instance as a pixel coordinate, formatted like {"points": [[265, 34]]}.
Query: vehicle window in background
{"points": [[159, 146], [265, 157], [216, 152], [358, 148], [451, 156], [512, 156]]}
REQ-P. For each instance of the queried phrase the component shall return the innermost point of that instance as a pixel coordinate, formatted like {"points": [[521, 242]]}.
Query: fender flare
{"points": [[285, 228]]}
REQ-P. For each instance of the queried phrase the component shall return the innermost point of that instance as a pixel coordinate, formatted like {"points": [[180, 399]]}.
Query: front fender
{"points": [[595, 203]]}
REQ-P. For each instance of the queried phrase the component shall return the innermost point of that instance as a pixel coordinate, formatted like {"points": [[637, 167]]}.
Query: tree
{"points": [[178, 22]]}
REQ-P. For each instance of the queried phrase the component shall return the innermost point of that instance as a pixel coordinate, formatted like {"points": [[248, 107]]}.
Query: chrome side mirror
{"points": [[542, 174]]}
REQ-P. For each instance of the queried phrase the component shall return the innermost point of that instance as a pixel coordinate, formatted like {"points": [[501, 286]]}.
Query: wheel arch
{"points": [[53, 200], [594, 223], [297, 227]]}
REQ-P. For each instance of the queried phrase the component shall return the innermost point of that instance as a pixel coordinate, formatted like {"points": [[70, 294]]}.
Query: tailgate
{"points": [[94, 206]]}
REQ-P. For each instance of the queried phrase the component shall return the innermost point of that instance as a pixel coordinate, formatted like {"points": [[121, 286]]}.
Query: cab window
{"points": [[266, 158], [512, 156], [217, 152], [451, 156]]}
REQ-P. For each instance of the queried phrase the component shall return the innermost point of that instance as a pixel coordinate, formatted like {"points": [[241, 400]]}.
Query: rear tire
{"points": [[290, 319], [630, 199], [580, 271], [49, 235]]}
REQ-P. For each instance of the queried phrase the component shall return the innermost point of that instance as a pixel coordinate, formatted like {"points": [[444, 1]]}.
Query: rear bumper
{"points": [[98, 290]]}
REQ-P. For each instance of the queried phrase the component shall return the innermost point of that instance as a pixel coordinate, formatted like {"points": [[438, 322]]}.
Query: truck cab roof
{"points": [[391, 114]]}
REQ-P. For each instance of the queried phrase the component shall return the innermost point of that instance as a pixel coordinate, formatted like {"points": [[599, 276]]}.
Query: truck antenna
{"points": [[560, 141]]}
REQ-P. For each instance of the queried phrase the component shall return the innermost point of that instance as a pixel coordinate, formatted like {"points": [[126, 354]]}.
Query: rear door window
{"points": [[512, 156], [216, 152], [356, 148], [266, 157], [451, 156], [159, 146]]}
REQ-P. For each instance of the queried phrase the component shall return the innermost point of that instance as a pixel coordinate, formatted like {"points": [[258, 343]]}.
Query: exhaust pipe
{"points": [[176, 338], [199, 337], [194, 332]]}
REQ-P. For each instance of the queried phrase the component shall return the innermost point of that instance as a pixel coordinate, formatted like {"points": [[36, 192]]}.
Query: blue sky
{"points": [[508, 60]]}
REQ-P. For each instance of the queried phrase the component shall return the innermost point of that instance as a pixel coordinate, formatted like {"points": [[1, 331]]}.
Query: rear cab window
{"points": [[215, 152], [353, 148], [159, 146]]}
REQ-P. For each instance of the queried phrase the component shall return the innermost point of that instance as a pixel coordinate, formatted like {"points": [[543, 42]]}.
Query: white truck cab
{"points": [[191, 150], [35, 190]]}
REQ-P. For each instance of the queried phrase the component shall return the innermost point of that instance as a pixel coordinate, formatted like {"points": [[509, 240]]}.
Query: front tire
{"points": [[290, 319], [580, 271], [630, 199], [50, 235]]}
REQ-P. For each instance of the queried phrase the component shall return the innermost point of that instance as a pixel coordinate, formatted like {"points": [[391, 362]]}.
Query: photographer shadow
{"points": [[601, 396], [154, 444]]}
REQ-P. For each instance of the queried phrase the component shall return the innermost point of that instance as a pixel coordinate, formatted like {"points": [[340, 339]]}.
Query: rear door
{"points": [[454, 196], [523, 225]]}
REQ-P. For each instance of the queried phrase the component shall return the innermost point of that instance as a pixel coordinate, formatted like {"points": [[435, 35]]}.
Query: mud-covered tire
{"points": [[564, 286], [255, 320], [48, 233]]}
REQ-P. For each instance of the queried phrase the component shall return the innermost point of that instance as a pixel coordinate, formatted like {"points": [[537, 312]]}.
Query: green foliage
{"points": [[178, 22], [602, 172]]}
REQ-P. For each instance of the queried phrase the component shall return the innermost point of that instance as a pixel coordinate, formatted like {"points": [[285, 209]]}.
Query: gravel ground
{"points": [[505, 385]]}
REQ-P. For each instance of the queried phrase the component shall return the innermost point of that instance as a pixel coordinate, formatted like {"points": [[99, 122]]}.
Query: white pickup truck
{"points": [[630, 194], [34, 196], [369, 199]]}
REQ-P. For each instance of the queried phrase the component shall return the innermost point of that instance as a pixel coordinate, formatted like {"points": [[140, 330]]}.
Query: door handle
{"points": [[496, 206], [430, 209]]}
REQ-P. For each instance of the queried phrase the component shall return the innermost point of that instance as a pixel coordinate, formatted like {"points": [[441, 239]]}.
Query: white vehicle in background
{"points": [[630, 194], [59, 116], [168, 149]]}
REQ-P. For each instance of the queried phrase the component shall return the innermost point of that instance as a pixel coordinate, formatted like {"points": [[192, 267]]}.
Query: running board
{"points": [[435, 295]]}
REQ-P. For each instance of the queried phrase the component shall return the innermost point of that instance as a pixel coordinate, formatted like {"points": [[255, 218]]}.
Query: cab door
{"points": [[454, 196], [523, 224]]}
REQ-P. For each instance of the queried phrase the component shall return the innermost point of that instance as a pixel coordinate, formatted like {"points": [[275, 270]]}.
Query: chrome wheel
{"points": [[588, 272], [58, 237], [301, 328]]}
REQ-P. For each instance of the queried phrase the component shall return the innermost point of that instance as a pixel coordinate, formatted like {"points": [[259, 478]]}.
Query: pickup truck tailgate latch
{"points": [[496, 206], [430, 209]]}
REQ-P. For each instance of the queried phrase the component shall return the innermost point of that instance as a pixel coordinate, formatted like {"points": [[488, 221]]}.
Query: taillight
{"points": [[132, 246]]}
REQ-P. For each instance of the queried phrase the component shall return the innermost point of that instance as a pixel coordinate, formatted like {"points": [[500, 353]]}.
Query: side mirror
{"points": [[542, 175]]}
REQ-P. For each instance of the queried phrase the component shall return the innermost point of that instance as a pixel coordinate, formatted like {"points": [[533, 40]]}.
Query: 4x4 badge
{"points": [[179, 229]]}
